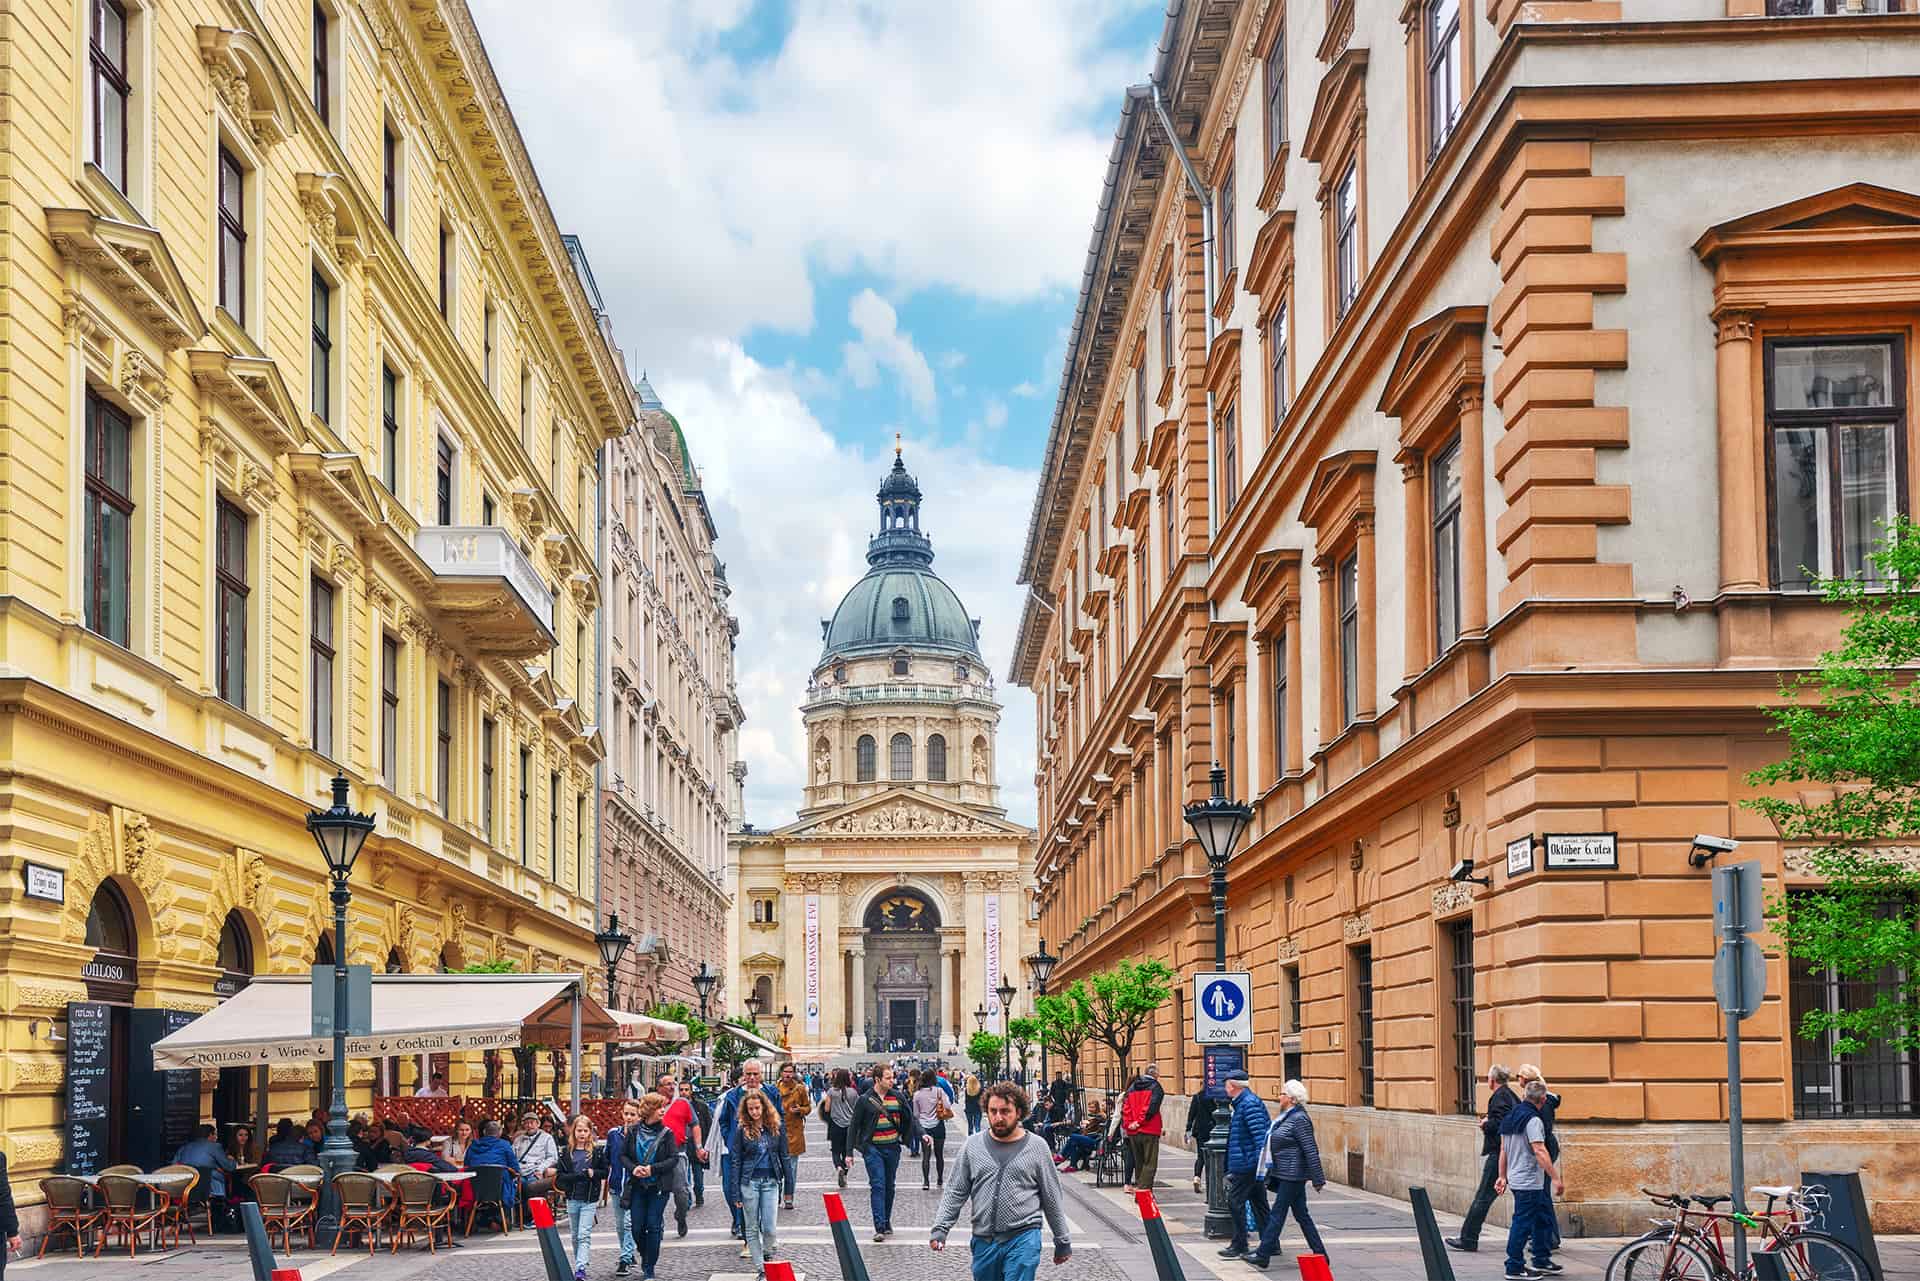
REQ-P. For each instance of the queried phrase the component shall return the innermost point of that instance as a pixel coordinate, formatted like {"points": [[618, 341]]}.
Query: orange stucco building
{"points": [[1442, 454]]}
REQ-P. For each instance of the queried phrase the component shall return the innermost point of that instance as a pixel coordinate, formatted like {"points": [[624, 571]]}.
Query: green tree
{"points": [[985, 1051], [728, 1049], [682, 1013], [1850, 782], [1024, 1032], [499, 965], [1066, 1021], [1121, 1001]]}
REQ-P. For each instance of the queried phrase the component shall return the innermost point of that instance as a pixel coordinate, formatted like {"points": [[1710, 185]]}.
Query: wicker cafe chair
{"points": [[490, 1189], [363, 1204], [123, 1169], [278, 1209], [175, 1199], [415, 1192], [70, 1209], [302, 1194], [124, 1212]]}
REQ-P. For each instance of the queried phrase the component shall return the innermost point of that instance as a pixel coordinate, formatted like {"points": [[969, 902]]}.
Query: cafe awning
{"points": [[758, 1042], [270, 1021], [645, 1028]]}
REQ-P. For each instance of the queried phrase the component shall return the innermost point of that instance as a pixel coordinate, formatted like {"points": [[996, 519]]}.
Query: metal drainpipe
{"points": [[603, 678]]}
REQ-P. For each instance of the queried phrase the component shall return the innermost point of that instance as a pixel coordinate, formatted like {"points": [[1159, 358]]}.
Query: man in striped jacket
{"points": [[1009, 1177]]}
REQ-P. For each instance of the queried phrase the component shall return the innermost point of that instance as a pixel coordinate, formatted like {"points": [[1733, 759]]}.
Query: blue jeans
{"points": [[1078, 1148], [1015, 1259], [649, 1223], [1532, 1220], [730, 1189], [759, 1202], [883, 1172], [580, 1216], [793, 1174], [623, 1225], [699, 1182], [1291, 1195]]}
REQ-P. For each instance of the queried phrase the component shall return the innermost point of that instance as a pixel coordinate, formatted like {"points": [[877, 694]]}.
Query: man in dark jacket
{"points": [[1247, 1125], [883, 1127], [9, 1221], [1200, 1128], [1140, 1121], [1500, 1100]]}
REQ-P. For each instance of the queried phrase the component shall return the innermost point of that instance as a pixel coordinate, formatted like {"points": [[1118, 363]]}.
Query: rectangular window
{"points": [[230, 599], [390, 710], [1166, 320], [1836, 410], [320, 664], [390, 178], [1277, 655], [1443, 71], [487, 510], [1168, 520], [1346, 239], [553, 825], [1363, 1019], [443, 482], [109, 88], [321, 66], [553, 460], [1349, 572], [489, 322], [233, 237], [321, 371], [486, 777], [1229, 460], [446, 272], [1277, 368], [109, 518], [526, 407], [526, 796], [579, 842], [390, 428], [1879, 1080], [1230, 726], [1444, 479], [443, 746], [1223, 231], [1140, 394], [1460, 957], [1290, 985], [1276, 79]]}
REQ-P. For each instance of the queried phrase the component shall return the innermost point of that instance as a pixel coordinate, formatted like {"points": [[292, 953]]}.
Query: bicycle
{"points": [[1692, 1246]]}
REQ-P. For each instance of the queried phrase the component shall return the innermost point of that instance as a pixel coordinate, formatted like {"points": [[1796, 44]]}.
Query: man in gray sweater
{"points": [[1009, 1176]]}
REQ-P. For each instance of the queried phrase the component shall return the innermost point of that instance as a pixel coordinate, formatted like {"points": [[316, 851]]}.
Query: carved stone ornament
{"points": [[1288, 949], [900, 817], [1799, 862], [1355, 928], [1451, 897]]}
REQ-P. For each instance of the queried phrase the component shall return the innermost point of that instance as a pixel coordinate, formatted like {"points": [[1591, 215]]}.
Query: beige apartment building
{"points": [[303, 398], [1443, 454]]}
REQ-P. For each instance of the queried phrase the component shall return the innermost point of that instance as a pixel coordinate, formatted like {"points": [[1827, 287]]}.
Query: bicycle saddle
{"points": [[1784, 1189], [1708, 1202]]}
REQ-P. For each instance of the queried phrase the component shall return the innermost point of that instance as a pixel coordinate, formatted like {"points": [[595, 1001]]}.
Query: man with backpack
{"points": [[1140, 1122]]}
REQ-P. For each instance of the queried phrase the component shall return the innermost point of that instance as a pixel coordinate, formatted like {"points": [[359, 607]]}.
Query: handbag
{"points": [[941, 1111]]}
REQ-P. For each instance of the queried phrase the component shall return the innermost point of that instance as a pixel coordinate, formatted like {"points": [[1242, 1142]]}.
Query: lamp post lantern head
{"points": [[786, 1019], [1217, 822], [704, 980], [613, 942], [1006, 992], [980, 1018], [1042, 963], [753, 1006], [339, 832]]}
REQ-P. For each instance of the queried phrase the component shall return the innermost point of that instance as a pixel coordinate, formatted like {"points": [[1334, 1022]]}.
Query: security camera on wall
{"points": [[1707, 848], [1462, 873]]}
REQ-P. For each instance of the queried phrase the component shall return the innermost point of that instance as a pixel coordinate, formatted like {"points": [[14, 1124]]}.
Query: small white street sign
{"points": [[1223, 1008]]}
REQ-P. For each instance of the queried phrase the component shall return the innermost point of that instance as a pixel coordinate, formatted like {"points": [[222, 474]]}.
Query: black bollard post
{"points": [[1166, 1263]]}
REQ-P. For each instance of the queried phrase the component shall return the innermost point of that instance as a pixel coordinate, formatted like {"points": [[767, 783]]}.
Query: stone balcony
{"points": [[486, 586]]}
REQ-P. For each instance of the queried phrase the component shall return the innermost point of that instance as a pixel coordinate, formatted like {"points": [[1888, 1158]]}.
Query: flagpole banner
{"points": [[813, 965], [993, 953]]}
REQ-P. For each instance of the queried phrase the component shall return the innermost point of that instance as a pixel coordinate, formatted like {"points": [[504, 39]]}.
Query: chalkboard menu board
{"points": [[164, 1105], [89, 1087]]}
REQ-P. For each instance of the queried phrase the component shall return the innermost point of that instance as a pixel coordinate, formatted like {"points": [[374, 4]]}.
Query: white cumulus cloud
{"points": [[882, 345]]}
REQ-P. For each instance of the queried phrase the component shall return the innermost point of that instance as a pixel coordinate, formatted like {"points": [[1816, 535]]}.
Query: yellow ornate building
{"points": [[302, 399]]}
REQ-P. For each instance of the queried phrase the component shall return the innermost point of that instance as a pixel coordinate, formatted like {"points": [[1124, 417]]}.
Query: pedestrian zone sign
{"points": [[1223, 1008]]}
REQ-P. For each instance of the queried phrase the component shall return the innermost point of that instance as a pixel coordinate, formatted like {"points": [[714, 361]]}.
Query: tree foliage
{"points": [[499, 965], [678, 1012], [985, 1051], [1122, 1000], [1066, 1021], [1849, 783], [1024, 1032], [729, 1050]]}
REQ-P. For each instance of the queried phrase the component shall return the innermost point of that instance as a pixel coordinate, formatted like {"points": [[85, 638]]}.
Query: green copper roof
{"points": [[901, 603]]}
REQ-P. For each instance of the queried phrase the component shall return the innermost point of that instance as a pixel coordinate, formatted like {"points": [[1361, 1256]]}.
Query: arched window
{"points": [[900, 756], [937, 758], [864, 752], [900, 611], [109, 923], [323, 949], [900, 665], [236, 945]]}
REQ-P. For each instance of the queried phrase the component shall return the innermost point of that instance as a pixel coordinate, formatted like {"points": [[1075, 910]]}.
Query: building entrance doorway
{"points": [[903, 976], [902, 1023]]}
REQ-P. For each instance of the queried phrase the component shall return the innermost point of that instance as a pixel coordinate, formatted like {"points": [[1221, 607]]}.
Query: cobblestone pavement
{"points": [[1368, 1237]]}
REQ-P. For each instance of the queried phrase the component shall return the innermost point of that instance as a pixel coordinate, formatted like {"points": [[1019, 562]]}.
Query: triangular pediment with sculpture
{"points": [[902, 811]]}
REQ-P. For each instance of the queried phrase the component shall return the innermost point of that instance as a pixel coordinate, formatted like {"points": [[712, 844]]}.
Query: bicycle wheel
{"points": [[1815, 1256], [1661, 1257]]}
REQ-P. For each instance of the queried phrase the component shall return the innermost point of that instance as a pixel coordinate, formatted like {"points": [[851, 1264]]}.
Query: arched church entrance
{"points": [[903, 972]]}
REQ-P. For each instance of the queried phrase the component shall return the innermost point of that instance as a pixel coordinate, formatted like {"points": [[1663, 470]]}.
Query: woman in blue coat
{"points": [[1293, 1161]]}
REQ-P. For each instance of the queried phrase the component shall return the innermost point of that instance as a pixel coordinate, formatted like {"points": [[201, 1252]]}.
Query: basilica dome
{"points": [[900, 603]]}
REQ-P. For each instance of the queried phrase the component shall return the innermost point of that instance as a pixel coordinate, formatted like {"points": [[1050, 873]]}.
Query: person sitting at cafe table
{"points": [[436, 1089], [461, 1140], [537, 1153], [415, 1152], [316, 1139], [240, 1146], [288, 1146], [203, 1153], [491, 1149]]}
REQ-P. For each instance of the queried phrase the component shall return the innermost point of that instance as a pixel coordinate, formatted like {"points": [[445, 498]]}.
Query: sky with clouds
{"points": [[818, 223]]}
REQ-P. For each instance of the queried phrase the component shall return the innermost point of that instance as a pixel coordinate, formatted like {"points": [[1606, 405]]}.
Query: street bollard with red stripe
{"points": [[1166, 1263], [286, 1274], [852, 1266], [552, 1253], [779, 1270], [1313, 1267]]}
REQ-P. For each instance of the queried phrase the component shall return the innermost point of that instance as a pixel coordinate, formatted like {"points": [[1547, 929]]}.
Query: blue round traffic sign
{"points": [[1221, 1001]]}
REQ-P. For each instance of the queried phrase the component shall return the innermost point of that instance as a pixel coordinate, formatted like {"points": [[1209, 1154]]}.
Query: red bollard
{"points": [[541, 1212], [852, 1266], [779, 1270], [286, 1274], [1166, 1263], [1313, 1267]]}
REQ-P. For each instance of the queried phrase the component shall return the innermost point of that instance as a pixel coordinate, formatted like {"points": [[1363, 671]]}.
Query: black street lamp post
{"points": [[786, 1022], [1218, 824], [339, 832], [1041, 963], [613, 943], [979, 1018], [1006, 992], [753, 1010], [704, 981]]}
